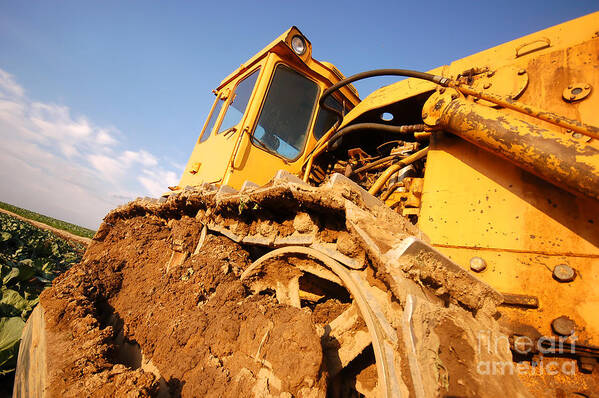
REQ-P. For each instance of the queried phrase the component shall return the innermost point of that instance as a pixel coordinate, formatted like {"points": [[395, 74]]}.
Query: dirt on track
{"points": [[120, 325], [142, 316]]}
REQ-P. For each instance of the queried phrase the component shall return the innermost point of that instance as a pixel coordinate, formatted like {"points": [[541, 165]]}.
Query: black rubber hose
{"points": [[443, 81], [405, 129]]}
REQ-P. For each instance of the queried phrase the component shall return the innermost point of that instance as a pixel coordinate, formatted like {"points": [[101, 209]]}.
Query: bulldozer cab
{"points": [[266, 116]]}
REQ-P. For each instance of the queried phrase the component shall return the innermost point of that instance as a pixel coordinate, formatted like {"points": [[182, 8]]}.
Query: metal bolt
{"points": [[522, 71], [477, 264], [587, 86], [563, 326], [569, 87], [564, 273], [577, 136], [487, 85]]}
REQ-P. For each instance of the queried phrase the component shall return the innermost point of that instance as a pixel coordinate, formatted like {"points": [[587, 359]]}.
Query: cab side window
{"points": [[240, 98], [213, 118], [325, 118]]}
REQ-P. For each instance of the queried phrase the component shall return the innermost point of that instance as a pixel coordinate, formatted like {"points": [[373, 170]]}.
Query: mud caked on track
{"points": [[188, 298]]}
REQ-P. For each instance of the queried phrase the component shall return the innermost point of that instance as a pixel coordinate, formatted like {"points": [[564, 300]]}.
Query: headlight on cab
{"points": [[298, 45]]}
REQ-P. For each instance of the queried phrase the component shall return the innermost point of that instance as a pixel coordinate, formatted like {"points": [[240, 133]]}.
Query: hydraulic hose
{"points": [[443, 81], [374, 164], [411, 128], [378, 184]]}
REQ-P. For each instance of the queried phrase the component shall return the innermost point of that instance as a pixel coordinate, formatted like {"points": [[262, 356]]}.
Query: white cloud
{"points": [[142, 157], [67, 167], [104, 138], [152, 180], [9, 87], [108, 167]]}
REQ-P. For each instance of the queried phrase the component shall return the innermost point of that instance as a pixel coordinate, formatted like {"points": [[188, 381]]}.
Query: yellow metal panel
{"points": [[231, 159], [214, 153], [253, 163], [560, 37], [472, 198], [531, 274]]}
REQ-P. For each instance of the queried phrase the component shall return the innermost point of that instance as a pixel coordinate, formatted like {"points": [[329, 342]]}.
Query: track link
{"points": [[336, 242]]}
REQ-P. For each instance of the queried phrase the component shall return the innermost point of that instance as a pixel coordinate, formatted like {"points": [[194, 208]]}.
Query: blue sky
{"points": [[101, 101]]}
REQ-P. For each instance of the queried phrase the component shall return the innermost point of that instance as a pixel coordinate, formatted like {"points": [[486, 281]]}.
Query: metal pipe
{"points": [[317, 150], [380, 182], [550, 117], [551, 155], [391, 189], [385, 128]]}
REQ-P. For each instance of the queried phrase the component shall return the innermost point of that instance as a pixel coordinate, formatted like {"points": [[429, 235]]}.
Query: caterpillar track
{"points": [[282, 290]]}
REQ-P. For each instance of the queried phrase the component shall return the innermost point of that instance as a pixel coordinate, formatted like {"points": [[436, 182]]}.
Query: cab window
{"points": [[325, 118], [239, 101], [213, 118], [285, 117]]}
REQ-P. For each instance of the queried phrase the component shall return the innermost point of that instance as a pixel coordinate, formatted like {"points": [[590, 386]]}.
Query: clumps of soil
{"points": [[457, 355], [325, 312], [197, 326]]}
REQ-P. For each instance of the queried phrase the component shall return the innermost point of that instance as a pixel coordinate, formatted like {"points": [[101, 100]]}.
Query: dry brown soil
{"points": [[197, 326]]}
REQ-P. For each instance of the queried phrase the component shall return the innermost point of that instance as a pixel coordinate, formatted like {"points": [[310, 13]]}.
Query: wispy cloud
{"points": [[66, 166]]}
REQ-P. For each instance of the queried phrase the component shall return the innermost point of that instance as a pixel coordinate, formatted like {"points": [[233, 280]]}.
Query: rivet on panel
{"points": [[563, 326], [477, 264], [564, 273]]}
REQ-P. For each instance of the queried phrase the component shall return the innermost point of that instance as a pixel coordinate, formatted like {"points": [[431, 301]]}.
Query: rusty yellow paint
{"points": [[546, 153], [541, 114], [531, 274], [506, 81], [561, 37], [477, 204], [474, 199]]}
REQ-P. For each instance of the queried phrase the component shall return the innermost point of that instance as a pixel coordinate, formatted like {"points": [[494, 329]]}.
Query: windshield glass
{"points": [[239, 101], [285, 117]]}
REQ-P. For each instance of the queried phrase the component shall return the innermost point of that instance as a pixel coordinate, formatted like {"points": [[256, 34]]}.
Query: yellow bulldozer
{"points": [[439, 238]]}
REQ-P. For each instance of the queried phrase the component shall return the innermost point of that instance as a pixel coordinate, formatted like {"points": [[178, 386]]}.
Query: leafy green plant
{"points": [[30, 258], [63, 225]]}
